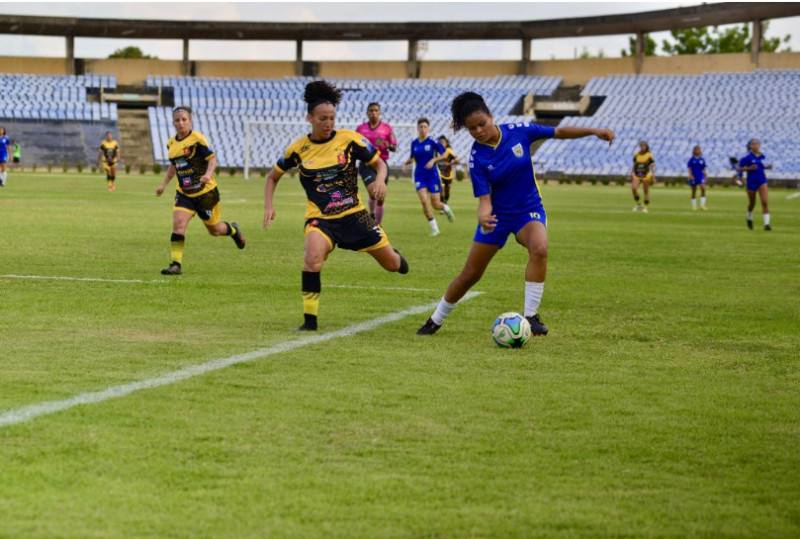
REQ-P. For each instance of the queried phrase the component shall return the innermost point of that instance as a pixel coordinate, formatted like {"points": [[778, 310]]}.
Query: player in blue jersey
{"points": [[509, 202], [697, 176], [5, 151], [426, 175], [753, 164]]}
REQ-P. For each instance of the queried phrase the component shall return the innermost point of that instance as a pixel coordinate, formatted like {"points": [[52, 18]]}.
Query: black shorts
{"points": [[355, 232], [16, 159], [206, 206], [368, 174]]}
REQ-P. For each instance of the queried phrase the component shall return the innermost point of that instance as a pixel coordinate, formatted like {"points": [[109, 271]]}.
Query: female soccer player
{"points": [[17, 155], [697, 176], [381, 136], [426, 178], [5, 151], [193, 162], [508, 202], [643, 171], [335, 215], [109, 153], [753, 164], [445, 161]]}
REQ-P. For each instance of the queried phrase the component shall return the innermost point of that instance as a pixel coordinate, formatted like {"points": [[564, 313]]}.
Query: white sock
{"points": [[446, 208], [702, 201], [694, 202], [3, 177], [533, 297], [766, 219], [749, 216], [433, 225], [442, 311]]}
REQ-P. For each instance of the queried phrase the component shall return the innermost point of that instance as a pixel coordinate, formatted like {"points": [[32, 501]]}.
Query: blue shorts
{"points": [[695, 183], [753, 185], [432, 183], [3, 159], [509, 224]]}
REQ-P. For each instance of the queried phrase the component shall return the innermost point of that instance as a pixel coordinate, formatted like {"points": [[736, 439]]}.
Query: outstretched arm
{"points": [[580, 132], [269, 192]]}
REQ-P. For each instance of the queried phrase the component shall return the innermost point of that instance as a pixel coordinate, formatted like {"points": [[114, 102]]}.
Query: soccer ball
{"points": [[511, 330]]}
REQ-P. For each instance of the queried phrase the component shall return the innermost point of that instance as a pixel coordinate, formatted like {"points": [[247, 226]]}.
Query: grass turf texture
{"points": [[664, 402]]}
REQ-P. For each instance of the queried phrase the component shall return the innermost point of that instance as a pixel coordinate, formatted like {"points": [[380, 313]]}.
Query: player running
{"points": [[5, 151], [381, 136], [326, 160], [509, 202], [753, 164], [446, 162], [697, 176], [426, 178], [110, 154], [193, 162], [642, 172]]}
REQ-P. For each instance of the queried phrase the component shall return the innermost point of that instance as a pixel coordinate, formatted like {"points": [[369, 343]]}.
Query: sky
{"points": [[14, 45]]}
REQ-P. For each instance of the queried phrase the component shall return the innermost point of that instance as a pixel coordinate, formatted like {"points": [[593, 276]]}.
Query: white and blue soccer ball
{"points": [[511, 330]]}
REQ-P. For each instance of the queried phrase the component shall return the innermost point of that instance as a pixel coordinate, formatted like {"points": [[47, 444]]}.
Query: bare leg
{"points": [[477, 261], [388, 258]]}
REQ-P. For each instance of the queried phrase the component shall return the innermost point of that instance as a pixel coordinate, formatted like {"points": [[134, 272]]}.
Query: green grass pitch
{"points": [[664, 402]]}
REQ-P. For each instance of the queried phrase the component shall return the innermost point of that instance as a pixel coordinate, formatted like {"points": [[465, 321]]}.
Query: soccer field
{"points": [[664, 402]]}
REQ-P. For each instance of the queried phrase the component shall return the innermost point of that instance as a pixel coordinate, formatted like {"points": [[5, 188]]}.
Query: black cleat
{"points": [[767, 227], [537, 328], [750, 224], [403, 263], [310, 323], [238, 238], [428, 328], [173, 269]]}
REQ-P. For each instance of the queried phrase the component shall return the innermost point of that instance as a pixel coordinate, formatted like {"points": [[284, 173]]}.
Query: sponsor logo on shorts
{"points": [[314, 223]]}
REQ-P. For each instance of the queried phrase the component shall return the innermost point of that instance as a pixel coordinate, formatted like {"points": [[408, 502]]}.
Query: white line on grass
{"points": [[89, 279], [27, 413], [795, 195]]}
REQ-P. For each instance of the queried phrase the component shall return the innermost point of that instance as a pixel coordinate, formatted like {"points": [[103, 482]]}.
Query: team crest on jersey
{"points": [[341, 158], [187, 151], [427, 147], [336, 196], [518, 151], [305, 148], [321, 189]]}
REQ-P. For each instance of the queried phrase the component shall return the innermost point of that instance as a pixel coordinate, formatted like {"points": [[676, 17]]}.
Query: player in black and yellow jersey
{"points": [[109, 154], [643, 171], [446, 162], [326, 160], [193, 162]]}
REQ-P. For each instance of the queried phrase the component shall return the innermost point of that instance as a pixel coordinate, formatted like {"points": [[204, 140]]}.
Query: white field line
{"points": [[793, 195], [88, 279], [27, 413]]}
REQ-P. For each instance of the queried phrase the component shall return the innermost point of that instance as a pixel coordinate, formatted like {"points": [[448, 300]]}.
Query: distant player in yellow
{"points": [[193, 162], [446, 162], [109, 154], [326, 160], [643, 171]]}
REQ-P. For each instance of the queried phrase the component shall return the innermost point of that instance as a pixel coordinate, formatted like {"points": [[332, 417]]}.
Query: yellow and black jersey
{"points": [[446, 166], [328, 171], [190, 156], [642, 163], [110, 152]]}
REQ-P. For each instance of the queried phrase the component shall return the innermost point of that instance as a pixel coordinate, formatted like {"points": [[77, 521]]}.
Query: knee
{"points": [[538, 250]]}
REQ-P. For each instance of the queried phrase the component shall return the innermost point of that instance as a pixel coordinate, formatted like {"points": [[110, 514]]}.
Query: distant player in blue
{"points": [[753, 164], [697, 176], [426, 176], [509, 202], [5, 151]]}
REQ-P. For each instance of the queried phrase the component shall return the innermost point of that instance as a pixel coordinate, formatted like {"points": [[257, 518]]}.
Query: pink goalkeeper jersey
{"points": [[383, 132]]}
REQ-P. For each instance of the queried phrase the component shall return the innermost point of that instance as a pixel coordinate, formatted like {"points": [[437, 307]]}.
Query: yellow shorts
{"points": [[647, 178], [108, 166], [355, 232]]}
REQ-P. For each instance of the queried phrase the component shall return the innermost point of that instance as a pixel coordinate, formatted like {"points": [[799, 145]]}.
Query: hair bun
{"points": [[321, 91]]}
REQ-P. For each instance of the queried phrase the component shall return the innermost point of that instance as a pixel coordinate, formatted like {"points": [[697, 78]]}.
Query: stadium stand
{"points": [[224, 106], [719, 111], [53, 118]]}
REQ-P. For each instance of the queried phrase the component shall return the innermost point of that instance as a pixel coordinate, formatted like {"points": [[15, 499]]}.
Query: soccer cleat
{"points": [[173, 269], [238, 238], [750, 224], [703, 208], [428, 328], [111, 187], [434, 233], [310, 323], [537, 328], [767, 227], [637, 207], [694, 208], [449, 213], [644, 210], [403, 263]]}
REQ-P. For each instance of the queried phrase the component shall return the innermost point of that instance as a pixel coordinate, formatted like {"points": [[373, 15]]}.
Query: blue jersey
{"points": [[421, 153], [756, 175], [698, 167], [505, 171], [4, 144]]}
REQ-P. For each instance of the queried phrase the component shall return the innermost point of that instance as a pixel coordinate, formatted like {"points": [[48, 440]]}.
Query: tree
{"points": [[131, 52], [649, 46], [708, 40], [586, 54]]}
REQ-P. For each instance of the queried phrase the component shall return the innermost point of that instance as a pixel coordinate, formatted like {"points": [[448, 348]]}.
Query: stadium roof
{"points": [[631, 23]]}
